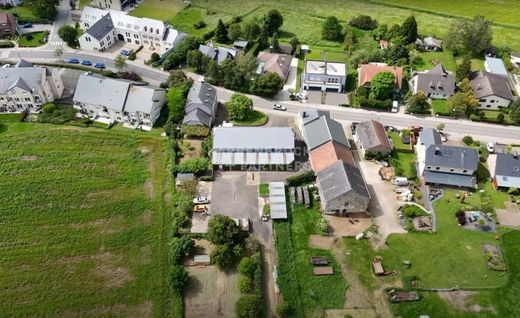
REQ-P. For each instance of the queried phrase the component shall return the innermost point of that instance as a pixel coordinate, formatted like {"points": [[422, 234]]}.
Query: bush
{"points": [[199, 25], [223, 256], [178, 278], [155, 57], [363, 22], [467, 140], [461, 217], [192, 165], [58, 116], [412, 211], [181, 247], [49, 108], [206, 178], [303, 178], [6, 44], [364, 102], [132, 56], [249, 306], [131, 76], [283, 310], [195, 131], [29, 37]]}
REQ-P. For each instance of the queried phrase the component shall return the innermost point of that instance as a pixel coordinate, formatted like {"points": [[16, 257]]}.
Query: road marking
{"points": [[56, 43]]}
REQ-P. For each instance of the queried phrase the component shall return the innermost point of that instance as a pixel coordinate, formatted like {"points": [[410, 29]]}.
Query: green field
{"points": [[84, 216], [162, 10], [430, 59], [23, 13], [37, 40], [441, 107]]}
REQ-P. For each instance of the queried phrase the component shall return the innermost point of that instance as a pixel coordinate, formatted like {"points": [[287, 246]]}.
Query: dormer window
{"points": [[151, 30], [157, 31], [145, 29]]}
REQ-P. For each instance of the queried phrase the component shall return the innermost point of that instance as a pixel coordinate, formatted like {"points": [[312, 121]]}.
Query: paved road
{"points": [[487, 132], [62, 17]]}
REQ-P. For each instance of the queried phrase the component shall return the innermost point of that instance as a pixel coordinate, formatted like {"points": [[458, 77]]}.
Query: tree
{"points": [[331, 29], [177, 78], [49, 108], [178, 278], [440, 127], [198, 61], [249, 306], [251, 30], [500, 118], [418, 103], [469, 36], [381, 33], [283, 310], [363, 22], [181, 51], [182, 246], [268, 84], [349, 39], [464, 68], [176, 99], [394, 32], [237, 74], [45, 9], [396, 54], [69, 35], [213, 73], [382, 86], [223, 230], [467, 140], [197, 166], [58, 52], [408, 30], [275, 46], [234, 31], [223, 256], [239, 107], [464, 102], [119, 62], [221, 32], [294, 43], [515, 111], [272, 21], [155, 57]]}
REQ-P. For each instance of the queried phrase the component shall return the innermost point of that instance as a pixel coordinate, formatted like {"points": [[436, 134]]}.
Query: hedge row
{"points": [[303, 178]]}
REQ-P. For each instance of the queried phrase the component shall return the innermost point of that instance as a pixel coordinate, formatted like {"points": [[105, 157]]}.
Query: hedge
{"points": [[195, 131], [303, 178], [6, 44]]}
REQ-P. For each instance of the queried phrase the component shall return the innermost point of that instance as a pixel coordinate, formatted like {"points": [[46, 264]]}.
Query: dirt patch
{"points": [[108, 267], [321, 242], [146, 254], [342, 226], [149, 189], [510, 216], [461, 300], [28, 158], [144, 150], [190, 148], [102, 226], [147, 216]]}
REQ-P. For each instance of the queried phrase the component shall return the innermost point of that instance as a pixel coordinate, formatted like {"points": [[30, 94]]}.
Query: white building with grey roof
{"points": [[491, 90], [324, 75], [113, 100], [201, 105], [26, 88], [104, 27], [436, 83]]}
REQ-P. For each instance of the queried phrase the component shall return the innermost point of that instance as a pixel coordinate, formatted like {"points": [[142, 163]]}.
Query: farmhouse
{"points": [[491, 90], [371, 137], [8, 25], [323, 75], [505, 170], [366, 73], [118, 5], [219, 54], [274, 63], [495, 65], [327, 154], [323, 130], [104, 28], [309, 115], [342, 189], [201, 105], [26, 88], [252, 147], [110, 100], [436, 83]]}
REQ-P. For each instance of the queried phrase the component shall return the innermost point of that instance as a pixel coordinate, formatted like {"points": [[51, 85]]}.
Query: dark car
{"points": [[86, 63], [27, 25], [73, 60], [100, 65]]}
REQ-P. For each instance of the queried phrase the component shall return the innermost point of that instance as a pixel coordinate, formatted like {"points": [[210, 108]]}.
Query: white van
{"points": [[395, 106]]}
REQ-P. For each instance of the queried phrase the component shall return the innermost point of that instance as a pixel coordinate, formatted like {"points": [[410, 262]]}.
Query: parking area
{"points": [[235, 194]]}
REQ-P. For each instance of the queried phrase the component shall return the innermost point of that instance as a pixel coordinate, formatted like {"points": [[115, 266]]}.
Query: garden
{"points": [[33, 39]]}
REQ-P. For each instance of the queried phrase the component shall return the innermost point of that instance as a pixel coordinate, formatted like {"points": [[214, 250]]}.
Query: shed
{"points": [[277, 200], [182, 177], [323, 270], [203, 259]]}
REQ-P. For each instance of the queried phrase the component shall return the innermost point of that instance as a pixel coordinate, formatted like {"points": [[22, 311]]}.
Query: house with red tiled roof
{"points": [[371, 136], [327, 154], [366, 73]]}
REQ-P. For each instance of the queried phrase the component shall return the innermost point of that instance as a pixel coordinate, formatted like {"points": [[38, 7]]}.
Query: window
{"points": [[151, 30], [492, 101], [27, 99], [17, 99], [146, 29], [87, 38], [127, 34], [135, 36], [437, 168], [157, 31], [129, 40], [464, 171], [451, 170], [137, 42], [488, 106], [29, 105]]}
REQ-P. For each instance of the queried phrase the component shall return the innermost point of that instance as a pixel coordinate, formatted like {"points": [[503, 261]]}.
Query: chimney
{"points": [[437, 150]]}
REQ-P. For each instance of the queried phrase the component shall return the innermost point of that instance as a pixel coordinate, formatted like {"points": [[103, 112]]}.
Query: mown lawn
{"points": [[23, 13], [440, 106], [256, 118], [38, 39], [162, 10], [297, 283], [85, 227], [404, 155], [430, 59]]}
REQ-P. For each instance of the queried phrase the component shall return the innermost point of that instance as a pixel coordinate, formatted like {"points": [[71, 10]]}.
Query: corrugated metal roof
{"points": [[277, 200], [253, 138], [445, 178], [323, 130]]}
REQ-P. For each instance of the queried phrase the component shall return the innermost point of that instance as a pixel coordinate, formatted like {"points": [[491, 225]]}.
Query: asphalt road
{"points": [[489, 132]]}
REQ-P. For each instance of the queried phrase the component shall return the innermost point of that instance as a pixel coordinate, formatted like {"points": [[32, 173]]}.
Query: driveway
{"points": [[37, 28]]}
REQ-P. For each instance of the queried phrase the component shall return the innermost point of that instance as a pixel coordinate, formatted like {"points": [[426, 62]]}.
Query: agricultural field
{"points": [[87, 208], [162, 10]]}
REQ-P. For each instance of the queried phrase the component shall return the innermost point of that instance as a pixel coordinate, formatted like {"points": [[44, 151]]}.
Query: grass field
{"points": [[440, 106], [37, 40], [256, 118], [85, 222], [430, 59], [404, 155], [162, 10]]}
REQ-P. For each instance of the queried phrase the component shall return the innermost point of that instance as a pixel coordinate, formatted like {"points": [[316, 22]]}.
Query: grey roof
{"points": [[107, 92], [184, 176], [240, 43], [311, 114], [23, 63], [141, 98], [372, 134], [507, 170], [446, 178], [496, 66], [485, 84], [101, 28], [200, 104], [253, 138], [430, 136], [27, 78], [451, 157], [436, 79], [340, 178], [323, 130], [219, 54], [277, 200], [208, 51], [431, 41], [515, 54]]}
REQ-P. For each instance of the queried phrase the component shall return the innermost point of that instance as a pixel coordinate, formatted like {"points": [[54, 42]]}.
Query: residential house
{"points": [[323, 130], [255, 147], [118, 5], [219, 54], [496, 66], [24, 88], [308, 115], [371, 137], [327, 154], [154, 35], [427, 137], [274, 63], [114, 100], [342, 189], [366, 73], [240, 45], [505, 170], [12, 3], [515, 58], [201, 105], [8, 25], [436, 83], [491, 90], [323, 75], [429, 43]]}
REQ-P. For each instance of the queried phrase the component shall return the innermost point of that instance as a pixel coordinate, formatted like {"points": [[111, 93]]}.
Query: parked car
{"points": [[86, 63], [490, 147], [73, 60], [279, 107], [200, 208], [200, 200], [27, 25], [99, 65], [125, 52], [395, 106]]}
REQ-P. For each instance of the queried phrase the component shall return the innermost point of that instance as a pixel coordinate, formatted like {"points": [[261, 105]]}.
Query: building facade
{"points": [[492, 90], [323, 75], [8, 25]]}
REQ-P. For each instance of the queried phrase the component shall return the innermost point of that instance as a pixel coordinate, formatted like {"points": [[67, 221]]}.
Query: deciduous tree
{"points": [[382, 86], [69, 35], [272, 21], [331, 29], [469, 36], [268, 84], [239, 107]]}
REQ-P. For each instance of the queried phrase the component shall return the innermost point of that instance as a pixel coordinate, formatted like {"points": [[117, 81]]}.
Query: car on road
{"points": [[490, 147], [395, 106], [200, 208], [86, 63], [100, 65], [279, 107], [200, 200], [125, 52], [27, 25], [73, 60]]}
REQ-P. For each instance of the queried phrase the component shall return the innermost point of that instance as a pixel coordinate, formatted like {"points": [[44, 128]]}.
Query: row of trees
{"points": [[255, 29]]}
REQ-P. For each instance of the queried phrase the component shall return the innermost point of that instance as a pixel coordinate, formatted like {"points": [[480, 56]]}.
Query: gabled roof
{"points": [[327, 154], [21, 84], [208, 51], [219, 54], [274, 63], [199, 104], [107, 92], [23, 63], [7, 18], [431, 41], [311, 114], [141, 98], [430, 136], [339, 179], [101, 28], [372, 134], [495, 66], [436, 79], [486, 84], [507, 170], [366, 73], [240, 44], [27, 78], [515, 54], [323, 130], [451, 157]]}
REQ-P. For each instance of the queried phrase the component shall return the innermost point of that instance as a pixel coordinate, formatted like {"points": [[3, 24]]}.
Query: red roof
{"points": [[366, 73], [327, 154]]}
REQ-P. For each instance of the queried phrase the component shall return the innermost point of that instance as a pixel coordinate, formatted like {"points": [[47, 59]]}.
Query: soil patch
{"points": [[321, 242], [149, 189], [461, 300], [28, 158], [147, 216], [510, 216], [108, 266]]}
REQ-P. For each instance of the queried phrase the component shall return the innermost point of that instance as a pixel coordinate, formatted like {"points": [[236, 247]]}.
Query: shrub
{"points": [[58, 116], [23, 115], [412, 211], [182, 246], [283, 310], [223, 256], [192, 165], [500, 118], [155, 57], [196, 131], [249, 306], [206, 178], [363, 22], [461, 217], [131, 76], [199, 25], [303, 178], [467, 140], [49, 108], [29, 37], [178, 278], [6, 44]]}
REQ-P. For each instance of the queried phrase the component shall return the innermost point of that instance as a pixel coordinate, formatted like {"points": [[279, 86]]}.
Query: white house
{"points": [[323, 75], [436, 83], [103, 28], [110, 100], [491, 90], [27, 88]]}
